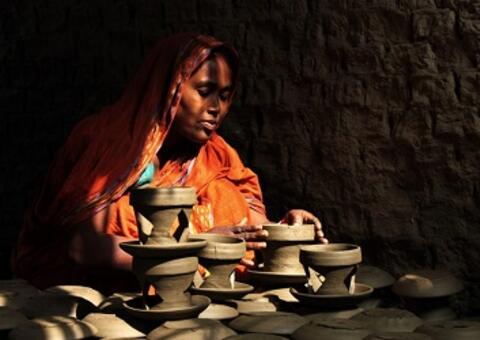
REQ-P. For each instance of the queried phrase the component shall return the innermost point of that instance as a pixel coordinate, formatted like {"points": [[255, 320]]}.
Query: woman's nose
{"points": [[214, 105]]}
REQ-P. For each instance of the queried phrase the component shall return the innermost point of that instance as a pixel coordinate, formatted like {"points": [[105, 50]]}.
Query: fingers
{"points": [[247, 263], [256, 245]]}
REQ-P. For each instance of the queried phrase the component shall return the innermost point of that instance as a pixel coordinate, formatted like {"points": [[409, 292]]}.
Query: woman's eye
{"points": [[224, 96], [203, 92]]}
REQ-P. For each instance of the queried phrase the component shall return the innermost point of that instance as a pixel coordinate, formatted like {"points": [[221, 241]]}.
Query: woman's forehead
{"points": [[215, 69]]}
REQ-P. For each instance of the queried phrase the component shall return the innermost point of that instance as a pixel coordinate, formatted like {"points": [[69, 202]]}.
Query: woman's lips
{"points": [[209, 125]]}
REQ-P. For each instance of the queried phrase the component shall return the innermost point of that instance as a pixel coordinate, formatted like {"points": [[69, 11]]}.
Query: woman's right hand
{"points": [[254, 235]]}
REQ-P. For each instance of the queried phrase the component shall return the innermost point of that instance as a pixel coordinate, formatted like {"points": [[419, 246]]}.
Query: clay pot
{"points": [[47, 304], [389, 320], [283, 247], [451, 330], [281, 294], [220, 256], [86, 293], [398, 336], [15, 293], [374, 277], [427, 292], [336, 263], [217, 311], [335, 329], [9, 319], [111, 326], [258, 305], [238, 291], [171, 279], [256, 336], [53, 327], [192, 329], [333, 314], [278, 323], [157, 208]]}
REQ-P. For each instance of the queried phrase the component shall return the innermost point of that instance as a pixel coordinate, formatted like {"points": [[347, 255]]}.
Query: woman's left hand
{"points": [[300, 216]]}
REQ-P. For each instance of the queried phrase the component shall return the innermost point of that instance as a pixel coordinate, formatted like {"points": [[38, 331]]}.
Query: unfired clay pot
{"points": [[451, 330], [53, 327], [86, 293], [374, 277], [111, 326], [47, 304], [283, 247], [335, 329], [220, 257], [216, 311], [256, 336], [427, 292], [9, 319], [279, 323], [191, 329], [157, 208], [257, 305], [398, 336], [331, 268], [389, 320]]}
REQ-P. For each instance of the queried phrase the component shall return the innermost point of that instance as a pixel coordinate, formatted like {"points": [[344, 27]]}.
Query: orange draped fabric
{"points": [[105, 155]]}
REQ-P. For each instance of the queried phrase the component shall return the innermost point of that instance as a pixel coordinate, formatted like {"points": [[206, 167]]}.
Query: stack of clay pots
{"points": [[331, 270], [281, 265], [163, 259], [219, 258], [427, 293]]}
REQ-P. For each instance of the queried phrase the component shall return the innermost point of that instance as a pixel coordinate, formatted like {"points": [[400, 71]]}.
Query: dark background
{"points": [[364, 112]]}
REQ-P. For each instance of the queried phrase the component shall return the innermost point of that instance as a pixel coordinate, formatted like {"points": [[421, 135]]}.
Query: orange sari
{"points": [[105, 155]]}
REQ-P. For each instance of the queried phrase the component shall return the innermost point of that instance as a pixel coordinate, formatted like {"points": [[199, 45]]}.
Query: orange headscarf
{"points": [[106, 153]]}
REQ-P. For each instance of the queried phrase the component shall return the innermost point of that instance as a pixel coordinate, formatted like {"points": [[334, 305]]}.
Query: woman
{"points": [[161, 131]]}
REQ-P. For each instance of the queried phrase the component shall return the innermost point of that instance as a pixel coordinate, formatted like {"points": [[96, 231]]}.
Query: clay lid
{"points": [[389, 320], [110, 325], [335, 329], [217, 311], [279, 323], [191, 329], [175, 250], [173, 196], [10, 318], [330, 255], [334, 314], [221, 247], [374, 277], [427, 284], [398, 336], [53, 327], [293, 233], [256, 336], [86, 293], [51, 304], [451, 330], [258, 305]]}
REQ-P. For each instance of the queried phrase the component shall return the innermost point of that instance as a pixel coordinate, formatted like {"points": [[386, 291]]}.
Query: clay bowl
{"points": [[46, 304], [220, 256], [374, 277], [333, 301], [137, 249], [333, 314], [397, 336], [427, 284], [257, 305], [157, 208], [336, 262], [389, 320], [451, 330], [277, 279], [278, 323], [335, 329], [221, 294], [171, 279], [136, 308], [53, 327], [89, 294], [111, 326], [283, 247], [192, 329]]}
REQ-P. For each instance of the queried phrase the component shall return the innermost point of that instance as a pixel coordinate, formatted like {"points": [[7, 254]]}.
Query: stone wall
{"points": [[363, 111]]}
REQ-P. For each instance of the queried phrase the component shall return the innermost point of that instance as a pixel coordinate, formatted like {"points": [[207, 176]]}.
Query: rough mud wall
{"points": [[363, 111]]}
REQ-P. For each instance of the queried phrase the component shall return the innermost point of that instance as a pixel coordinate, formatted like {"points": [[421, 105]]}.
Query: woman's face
{"points": [[205, 101]]}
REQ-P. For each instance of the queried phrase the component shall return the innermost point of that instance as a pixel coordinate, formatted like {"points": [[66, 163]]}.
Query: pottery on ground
{"points": [[47, 304], [398, 336], [389, 320], [256, 336], [216, 311], [279, 323], [114, 303], [10, 318], [221, 294], [283, 247], [333, 314], [331, 268], [86, 293], [15, 293], [277, 279], [257, 305], [282, 294], [335, 329], [191, 329], [220, 256], [451, 330], [53, 327], [111, 326], [374, 277], [156, 210]]}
